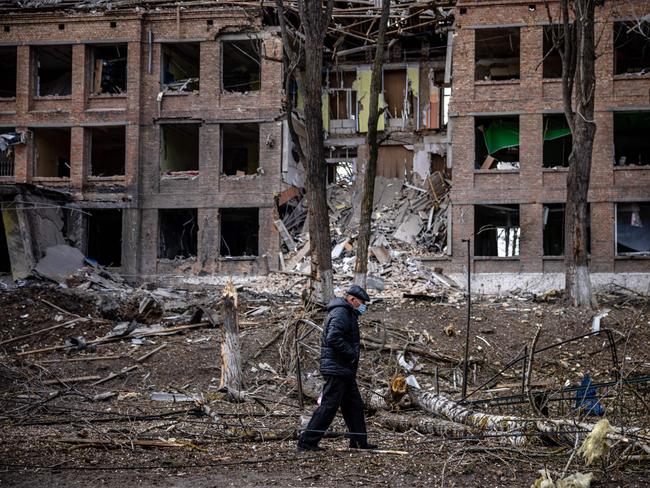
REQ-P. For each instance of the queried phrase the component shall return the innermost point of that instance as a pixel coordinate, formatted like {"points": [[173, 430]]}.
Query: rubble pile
{"points": [[408, 223]]}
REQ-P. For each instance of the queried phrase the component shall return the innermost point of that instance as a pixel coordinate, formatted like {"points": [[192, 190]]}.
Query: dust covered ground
{"points": [[58, 429]]}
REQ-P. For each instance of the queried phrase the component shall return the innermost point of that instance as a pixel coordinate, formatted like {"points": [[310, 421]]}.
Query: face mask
{"points": [[361, 308]]}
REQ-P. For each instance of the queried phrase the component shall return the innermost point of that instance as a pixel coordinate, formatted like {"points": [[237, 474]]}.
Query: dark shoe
{"points": [[307, 447]]}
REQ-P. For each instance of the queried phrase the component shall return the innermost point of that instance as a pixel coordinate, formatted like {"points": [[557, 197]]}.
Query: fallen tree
{"points": [[521, 428]]}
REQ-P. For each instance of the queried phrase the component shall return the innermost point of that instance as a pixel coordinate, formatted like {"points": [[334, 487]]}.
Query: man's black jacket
{"points": [[339, 352]]}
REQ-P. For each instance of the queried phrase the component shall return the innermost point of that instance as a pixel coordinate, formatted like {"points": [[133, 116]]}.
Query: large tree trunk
{"points": [[365, 219], [578, 72], [441, 406], [231, 372], [314, 22]]}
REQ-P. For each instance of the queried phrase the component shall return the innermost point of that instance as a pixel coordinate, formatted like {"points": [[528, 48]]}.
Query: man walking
{"points": [[339, 360]]}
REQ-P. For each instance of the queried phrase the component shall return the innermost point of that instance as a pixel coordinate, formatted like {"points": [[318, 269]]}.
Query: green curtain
{"points": [[554, 128], [500, 134]]}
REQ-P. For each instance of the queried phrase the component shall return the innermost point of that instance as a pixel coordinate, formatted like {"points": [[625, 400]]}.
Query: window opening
{"points": [[631, 47], [496, 54], [178, 233], [8, 70], [241, 65], [633, 228], [104, 236], [497, 143], [342, 97], [109, 69], [241, 149], [239, 231], [52, 152], [180, 150], [552, 65], [398, 94], [557, 141], [341, 165], [496, 230], [631, 141], [107, 151], [553, 234], [181, 66], [54, 70], [8, 139]]}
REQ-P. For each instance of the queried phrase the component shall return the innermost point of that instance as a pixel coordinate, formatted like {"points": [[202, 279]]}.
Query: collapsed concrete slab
{"points": [[60, 262]]}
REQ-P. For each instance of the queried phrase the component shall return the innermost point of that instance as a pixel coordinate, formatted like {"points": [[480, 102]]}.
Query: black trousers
{"points": [[339, 391]]}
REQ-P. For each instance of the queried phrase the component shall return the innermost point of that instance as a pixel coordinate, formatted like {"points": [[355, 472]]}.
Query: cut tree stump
{"points": [[231, 369]]}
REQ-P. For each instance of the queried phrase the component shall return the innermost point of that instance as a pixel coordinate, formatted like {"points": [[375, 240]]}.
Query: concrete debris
{"points": [[60, 262], [409, 222]]}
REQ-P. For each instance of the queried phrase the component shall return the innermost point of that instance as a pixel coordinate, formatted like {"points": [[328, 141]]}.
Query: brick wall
{"points": [[530, 98], [140, 191]]}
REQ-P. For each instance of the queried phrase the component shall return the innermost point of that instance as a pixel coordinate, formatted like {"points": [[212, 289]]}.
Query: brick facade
{"points": [[141, 191], [530, 98]]}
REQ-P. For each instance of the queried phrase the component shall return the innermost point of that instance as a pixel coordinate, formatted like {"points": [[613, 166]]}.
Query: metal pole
{"points": [[469, 309]]}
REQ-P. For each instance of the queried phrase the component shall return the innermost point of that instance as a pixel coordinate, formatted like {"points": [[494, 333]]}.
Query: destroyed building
{"points": [[155, 125], [159, 127], [510, 147]]}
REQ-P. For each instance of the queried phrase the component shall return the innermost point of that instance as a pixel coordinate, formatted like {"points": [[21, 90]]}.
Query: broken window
{"points": [[552, 64], [553, 234], [177, 233], [496, 230], [52, 152], [241, 65], [557, 141], [179, 150], [109, 69], [54, 70], [239, 231], [394, 90], [342, 97], [341, 164], [497, 143], [104, 236], [631, 141], [497, 54], [8, 138], [401, 91], [8, 70], [633, 228], [107, 151], [631, 47], [241, 149], [181, 66]]}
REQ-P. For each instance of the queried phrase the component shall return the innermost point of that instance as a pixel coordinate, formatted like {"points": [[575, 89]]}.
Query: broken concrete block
{"points": [[381, 253], [60, 262], [409, 229], [375, 283], [338, 249]]}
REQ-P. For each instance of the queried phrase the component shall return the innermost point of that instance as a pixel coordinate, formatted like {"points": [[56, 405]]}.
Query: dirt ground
{"points": [[55, 431]]}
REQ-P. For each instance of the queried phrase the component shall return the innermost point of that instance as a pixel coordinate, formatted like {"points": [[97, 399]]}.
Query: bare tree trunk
{"points": [[365, 219], [578, 72], [313, 23], [231, 372]]}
